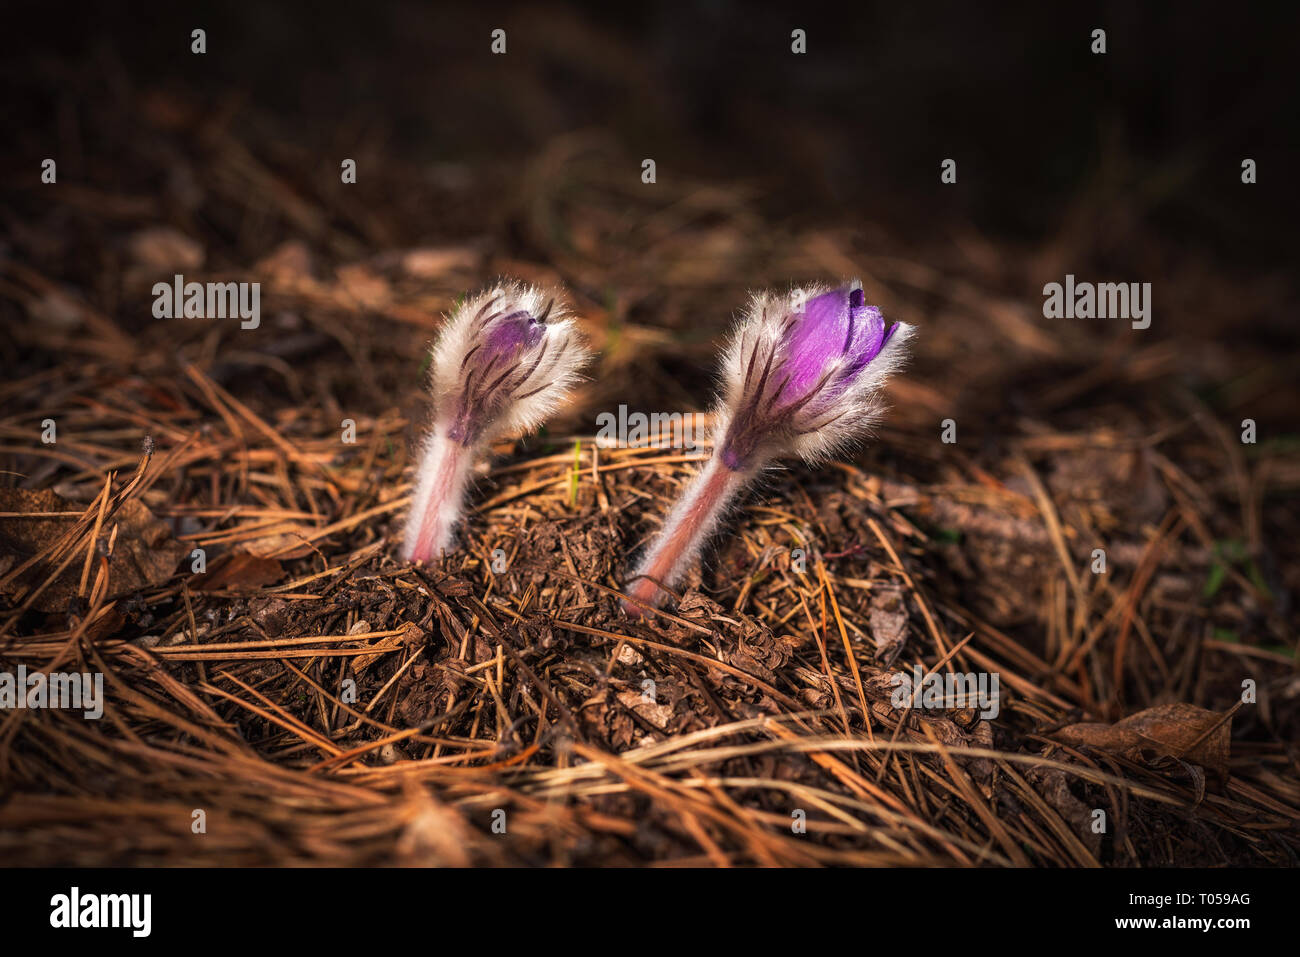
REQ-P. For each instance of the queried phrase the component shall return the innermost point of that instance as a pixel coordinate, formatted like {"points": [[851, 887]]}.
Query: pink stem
{"points": [[685, 531], [440, 485]]}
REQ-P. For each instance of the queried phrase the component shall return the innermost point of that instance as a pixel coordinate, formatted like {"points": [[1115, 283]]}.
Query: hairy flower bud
{"points": [[801, 377], [803, 374], [505, 361]]}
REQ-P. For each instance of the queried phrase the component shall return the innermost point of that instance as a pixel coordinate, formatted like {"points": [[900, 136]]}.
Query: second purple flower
{"points": [[801, 377]]}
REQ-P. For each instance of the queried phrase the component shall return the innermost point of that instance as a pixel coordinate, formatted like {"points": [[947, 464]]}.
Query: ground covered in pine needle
{"points": [[308, 698]]}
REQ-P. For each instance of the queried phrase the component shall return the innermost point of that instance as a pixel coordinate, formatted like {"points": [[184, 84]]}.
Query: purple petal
{"points": [[818, 339], [869, 340], [509, 335]]}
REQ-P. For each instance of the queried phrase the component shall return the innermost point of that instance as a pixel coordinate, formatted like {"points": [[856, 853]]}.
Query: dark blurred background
{"points": [[859, 123]]}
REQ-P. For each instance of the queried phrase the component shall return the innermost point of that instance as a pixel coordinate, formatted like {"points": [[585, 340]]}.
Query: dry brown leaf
{"points": [[1178, 730], [144, 553], [888, 625], [239, 570], [411, 636]]}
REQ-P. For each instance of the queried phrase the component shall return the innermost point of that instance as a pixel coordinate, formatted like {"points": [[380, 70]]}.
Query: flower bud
{"points": [[505, 361], [801, 378]]}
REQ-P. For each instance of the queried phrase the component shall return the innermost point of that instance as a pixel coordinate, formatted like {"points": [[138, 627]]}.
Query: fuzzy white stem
{"points": [[684, 533], [440, 485]]}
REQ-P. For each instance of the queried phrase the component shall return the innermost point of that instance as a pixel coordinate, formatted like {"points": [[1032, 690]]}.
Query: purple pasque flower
{"points": [[510, 350], [802, 375], [505, 361]]}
